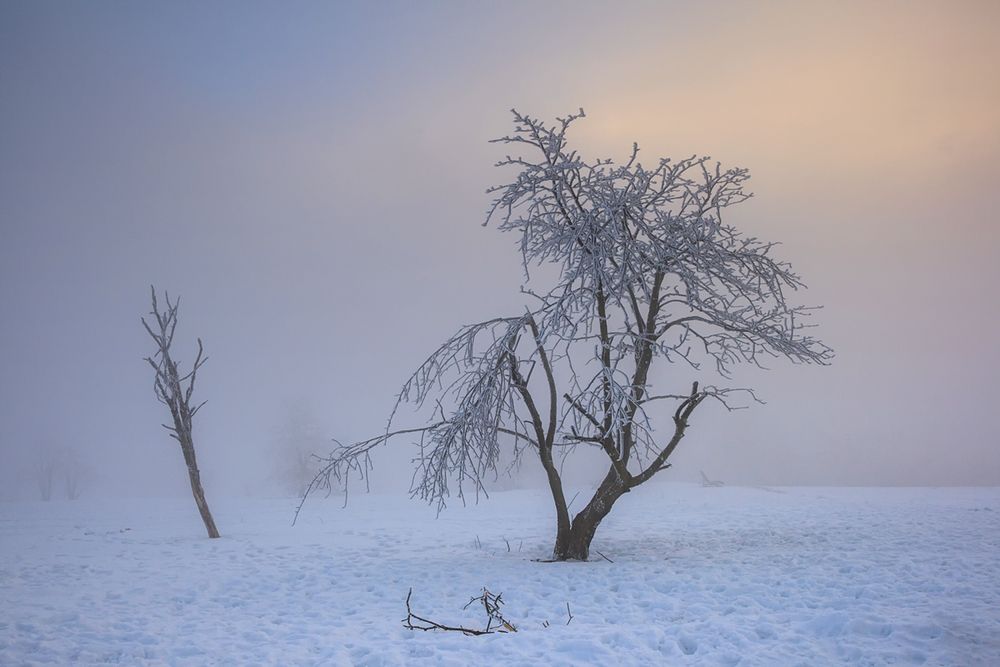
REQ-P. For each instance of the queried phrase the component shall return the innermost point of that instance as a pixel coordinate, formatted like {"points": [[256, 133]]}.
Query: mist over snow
{"points": [[311, 184]]}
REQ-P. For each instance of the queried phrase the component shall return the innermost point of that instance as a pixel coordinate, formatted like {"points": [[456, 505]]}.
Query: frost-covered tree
{"points": [[174, 389], [647, 273]]}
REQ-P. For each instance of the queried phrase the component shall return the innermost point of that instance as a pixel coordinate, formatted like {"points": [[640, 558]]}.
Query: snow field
{"points": [[701, 576]]}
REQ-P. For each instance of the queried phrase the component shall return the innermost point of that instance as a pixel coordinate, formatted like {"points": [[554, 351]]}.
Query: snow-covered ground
{"points": [[746, 576]]}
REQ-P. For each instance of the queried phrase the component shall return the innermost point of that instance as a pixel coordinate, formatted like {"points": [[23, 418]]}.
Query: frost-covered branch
{"points": [[471, 377]]}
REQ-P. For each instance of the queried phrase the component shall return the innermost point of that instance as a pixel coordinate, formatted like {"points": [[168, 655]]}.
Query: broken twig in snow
{"points": [[495, 622]]}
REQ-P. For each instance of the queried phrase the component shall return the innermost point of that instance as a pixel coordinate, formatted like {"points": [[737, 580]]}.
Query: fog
{"points": [[310, 180]]}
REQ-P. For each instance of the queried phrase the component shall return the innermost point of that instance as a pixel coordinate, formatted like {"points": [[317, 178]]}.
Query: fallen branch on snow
{"points": [[495, 622]]}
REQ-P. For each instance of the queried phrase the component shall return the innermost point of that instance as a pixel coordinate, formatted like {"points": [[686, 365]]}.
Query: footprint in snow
{"points": [[689, 645]]}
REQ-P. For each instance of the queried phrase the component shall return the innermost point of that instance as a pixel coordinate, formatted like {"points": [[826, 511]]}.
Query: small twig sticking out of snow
{"points": [[603, 556], [569, 620]]}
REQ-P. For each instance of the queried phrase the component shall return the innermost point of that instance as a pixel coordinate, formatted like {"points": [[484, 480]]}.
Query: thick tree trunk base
{"points": [[574, 548], [574, 544]]}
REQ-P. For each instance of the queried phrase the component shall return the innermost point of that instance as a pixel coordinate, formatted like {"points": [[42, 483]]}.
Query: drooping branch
{"points": [[355, 457], [476, 379]]}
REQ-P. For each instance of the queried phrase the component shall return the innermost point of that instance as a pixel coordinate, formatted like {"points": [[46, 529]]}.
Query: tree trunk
{"points": [[196, 490], [170, 391], [574, 544]]}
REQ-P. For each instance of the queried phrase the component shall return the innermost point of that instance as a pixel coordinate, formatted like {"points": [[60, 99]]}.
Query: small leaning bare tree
{"points": [[646, 272], [171, 390]]}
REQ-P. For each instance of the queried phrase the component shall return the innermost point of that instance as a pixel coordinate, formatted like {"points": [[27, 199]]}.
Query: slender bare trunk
{"points": [[196, 489], [169, 388], [558, 497]]}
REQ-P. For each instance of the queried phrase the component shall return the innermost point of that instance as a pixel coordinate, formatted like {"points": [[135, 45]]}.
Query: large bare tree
{"points": [[174, 390], [646, 273]]}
